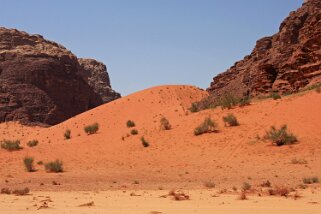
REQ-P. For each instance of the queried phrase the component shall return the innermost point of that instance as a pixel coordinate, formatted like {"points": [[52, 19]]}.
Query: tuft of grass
{"points": [[246, 186], [207, 126], [54, 166], [11, 145], [91, 129], [134, 132], [144, 142], [28, 162], [165, 125], [130, 124], [280, 136], [194, 108], [231, 120], [275, 95], [21, 192], [67, 134], [33, 143], [311, 180]]}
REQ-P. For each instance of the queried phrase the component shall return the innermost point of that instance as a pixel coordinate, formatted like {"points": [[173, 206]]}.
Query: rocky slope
{"points": [[40, 80], [284, 62]]}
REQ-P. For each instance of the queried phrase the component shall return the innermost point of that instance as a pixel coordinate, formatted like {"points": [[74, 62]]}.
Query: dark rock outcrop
{"points": [[40, 81], [285, 62], [95, 74]]}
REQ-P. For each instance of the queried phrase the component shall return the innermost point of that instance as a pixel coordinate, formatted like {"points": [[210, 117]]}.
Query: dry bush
{"points": [[207, 126], [266, 184], [130, 124], [311, 180], [33, 143], [6, 191], [28, 162], [246, 186], [178, 195], [279, 190], [134, 132], [209, 184], [298, 161], [21, 192], [91, 129], [231, 120], [11, 145], [67, 134], [144, 142], [54, 166], [242, 196], [165, 125], [280, 136]]}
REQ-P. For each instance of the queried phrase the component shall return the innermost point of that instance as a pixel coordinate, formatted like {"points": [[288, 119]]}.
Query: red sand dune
{"points": [[176, 158]]}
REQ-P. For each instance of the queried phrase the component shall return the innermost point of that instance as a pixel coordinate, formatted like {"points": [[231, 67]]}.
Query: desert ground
{"points": [[114, 170]]}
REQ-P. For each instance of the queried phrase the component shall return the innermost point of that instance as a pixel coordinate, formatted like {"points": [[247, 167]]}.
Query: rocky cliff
{"points": [[285, 62], [40, 80]]}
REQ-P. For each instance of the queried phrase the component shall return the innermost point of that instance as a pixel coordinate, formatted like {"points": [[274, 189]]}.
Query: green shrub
{"points": [[134, 132], [228, 101], [311, 180], [11, 145], [54, 166], [207, 126], [165, 125], [33, 143], [67, 134], [231, 120], [275, 95], [280, 137], [130, 124], [91, 129], [194, 108], [28, 161], [144, 142]]}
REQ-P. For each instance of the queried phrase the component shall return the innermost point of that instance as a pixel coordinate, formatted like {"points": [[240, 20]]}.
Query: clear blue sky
{"points": [[152, 42]]}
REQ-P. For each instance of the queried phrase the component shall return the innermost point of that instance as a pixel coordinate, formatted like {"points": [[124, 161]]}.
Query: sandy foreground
{"points": [[154, 202]]}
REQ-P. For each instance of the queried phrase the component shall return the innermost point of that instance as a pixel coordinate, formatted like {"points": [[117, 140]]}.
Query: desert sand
{"points": [[107, 166]]}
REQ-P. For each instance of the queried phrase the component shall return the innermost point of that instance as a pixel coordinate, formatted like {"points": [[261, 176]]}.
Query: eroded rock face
{"points": [[40, 80], [284, 62], [95, 74]]}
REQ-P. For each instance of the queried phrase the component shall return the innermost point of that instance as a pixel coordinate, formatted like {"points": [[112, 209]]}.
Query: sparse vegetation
{"points": [[33, 143], [243, 196], [54, 166], [11, 145], [209, 184], [245, 101], [279, 190], [246, 186], [231, 120], [130, 124], [21, 192], [6, 191], [28, 162], [91, 129], [165, 125], [318, 89], [311, 180], [275, 95], [194, 108], [134, 132], [206, 127], [280, 137], [144, 142], [67, 134], [228, 101], [298, 161]]}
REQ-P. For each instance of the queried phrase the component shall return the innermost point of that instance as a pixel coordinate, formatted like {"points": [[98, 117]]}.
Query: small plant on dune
{"points": [[275, 95], [130, 124], [246, 186], [54, 166], [144, 142], [134, 132], [67, 134], [231, 120], [165, 125], [242, 196], [33, 143], [311, 180], [228, 101], [245, 101], [280, 136], [21, 192], [207, 126], [6, 191], [298, 161], [28, 162], [194, 108], [279, 190], [91, 129], [11, 145], [209, 184]]}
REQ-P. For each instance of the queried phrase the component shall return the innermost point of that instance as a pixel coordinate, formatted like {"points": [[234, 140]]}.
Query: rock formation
{"points": [[95, 74], [40, 80], [284, 62]]}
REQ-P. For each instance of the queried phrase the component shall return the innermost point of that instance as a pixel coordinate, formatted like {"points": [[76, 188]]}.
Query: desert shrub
{"points": [[207, 126], [6, 191], [91, 129], [21, 192], [280, 137], [40, 162], [298, 161], [165, 125], [134, 132], [231, 120], [311, 180], [275, 95], [28, 162], [279, 190], [227, 101], [33, 143], [242, 196], [246, 186], [67, 134], [245, 101], [144, 142], [194, 108], [130, 124], [266, 184], [54, 166], [209, 184], [11, 145]]}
